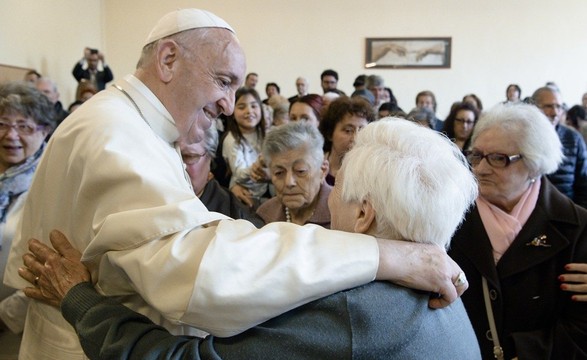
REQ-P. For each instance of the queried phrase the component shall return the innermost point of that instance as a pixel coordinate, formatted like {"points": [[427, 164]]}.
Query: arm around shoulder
{"points": [[420, 266]]}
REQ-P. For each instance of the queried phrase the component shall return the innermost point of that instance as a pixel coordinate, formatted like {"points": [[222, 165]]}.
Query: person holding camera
{"points": [[87, 68]]}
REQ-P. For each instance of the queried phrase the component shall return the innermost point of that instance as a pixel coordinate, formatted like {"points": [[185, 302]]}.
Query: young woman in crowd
{"points": [[242, 145], [459, 124], [307, 108], [341, 123]]}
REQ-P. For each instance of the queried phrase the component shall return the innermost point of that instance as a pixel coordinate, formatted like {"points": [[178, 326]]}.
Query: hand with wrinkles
{"points": [[52, 272]]}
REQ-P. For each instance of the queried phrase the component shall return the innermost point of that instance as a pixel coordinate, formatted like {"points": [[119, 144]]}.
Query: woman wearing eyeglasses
{"points": [[519, 237], [26, 117], [460, 122]]}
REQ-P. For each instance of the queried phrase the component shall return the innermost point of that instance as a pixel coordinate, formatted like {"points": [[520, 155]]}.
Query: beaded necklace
{"points": [[288, 215]]}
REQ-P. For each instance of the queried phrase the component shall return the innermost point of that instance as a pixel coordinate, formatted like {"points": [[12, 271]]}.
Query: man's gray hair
{"points": [[540, 91], [373, 81], [417, 180], [291, 136], [422, 115], [535, 136]]}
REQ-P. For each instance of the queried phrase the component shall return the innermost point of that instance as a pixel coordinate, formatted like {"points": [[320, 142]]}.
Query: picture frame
{"points": [[408, 53], [12, 73]]}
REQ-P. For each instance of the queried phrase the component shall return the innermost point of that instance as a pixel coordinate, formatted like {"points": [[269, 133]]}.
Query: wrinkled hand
{"points": [[243, 194], [52, 272], [420, 266], [575, 282]]}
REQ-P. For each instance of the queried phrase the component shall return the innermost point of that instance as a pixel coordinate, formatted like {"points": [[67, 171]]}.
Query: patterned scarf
{"points": [[16, 180]]}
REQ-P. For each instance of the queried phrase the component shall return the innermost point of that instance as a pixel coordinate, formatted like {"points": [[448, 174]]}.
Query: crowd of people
{"points": [[196, 217]]}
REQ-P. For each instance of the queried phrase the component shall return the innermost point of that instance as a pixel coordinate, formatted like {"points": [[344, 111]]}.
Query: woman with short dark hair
{"points": [[342, 121], [26, 117]]}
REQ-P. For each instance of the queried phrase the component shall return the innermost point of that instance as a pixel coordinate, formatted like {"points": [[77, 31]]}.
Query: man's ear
{"points": [[167, 59], [365, 218]]}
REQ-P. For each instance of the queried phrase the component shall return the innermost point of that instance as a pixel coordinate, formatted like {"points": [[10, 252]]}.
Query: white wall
{"points": [[494, 43], [49, 36]]}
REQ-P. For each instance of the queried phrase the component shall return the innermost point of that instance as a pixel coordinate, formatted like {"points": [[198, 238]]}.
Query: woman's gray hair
{"points": [[21, 98], [535, 136], [417, 180], [292, 136]]}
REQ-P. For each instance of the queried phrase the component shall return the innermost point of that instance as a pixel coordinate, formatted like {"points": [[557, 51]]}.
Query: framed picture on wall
{"points": [[408, 53]]}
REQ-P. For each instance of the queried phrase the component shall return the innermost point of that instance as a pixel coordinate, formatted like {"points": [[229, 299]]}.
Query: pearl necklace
{"points": [[288, 216]]}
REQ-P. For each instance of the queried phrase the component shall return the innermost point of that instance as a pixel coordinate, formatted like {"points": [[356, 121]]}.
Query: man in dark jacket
{"points": [[198, 159], [571, 176], [92, 57], [49, 89]]}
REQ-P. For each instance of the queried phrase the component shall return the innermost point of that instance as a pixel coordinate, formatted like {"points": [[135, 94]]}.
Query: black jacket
{"points": [[218, 199], [571, 176], [534, 318], [102, 77]]}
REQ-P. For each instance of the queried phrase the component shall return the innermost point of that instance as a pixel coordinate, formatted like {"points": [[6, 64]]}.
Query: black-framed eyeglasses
{"points": [[465, 121], [496, 160], [22, 128]]}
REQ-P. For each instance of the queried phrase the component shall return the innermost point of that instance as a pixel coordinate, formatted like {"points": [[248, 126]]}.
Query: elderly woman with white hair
{"points": [[293, 153], [421, 192], [515, 243]]}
